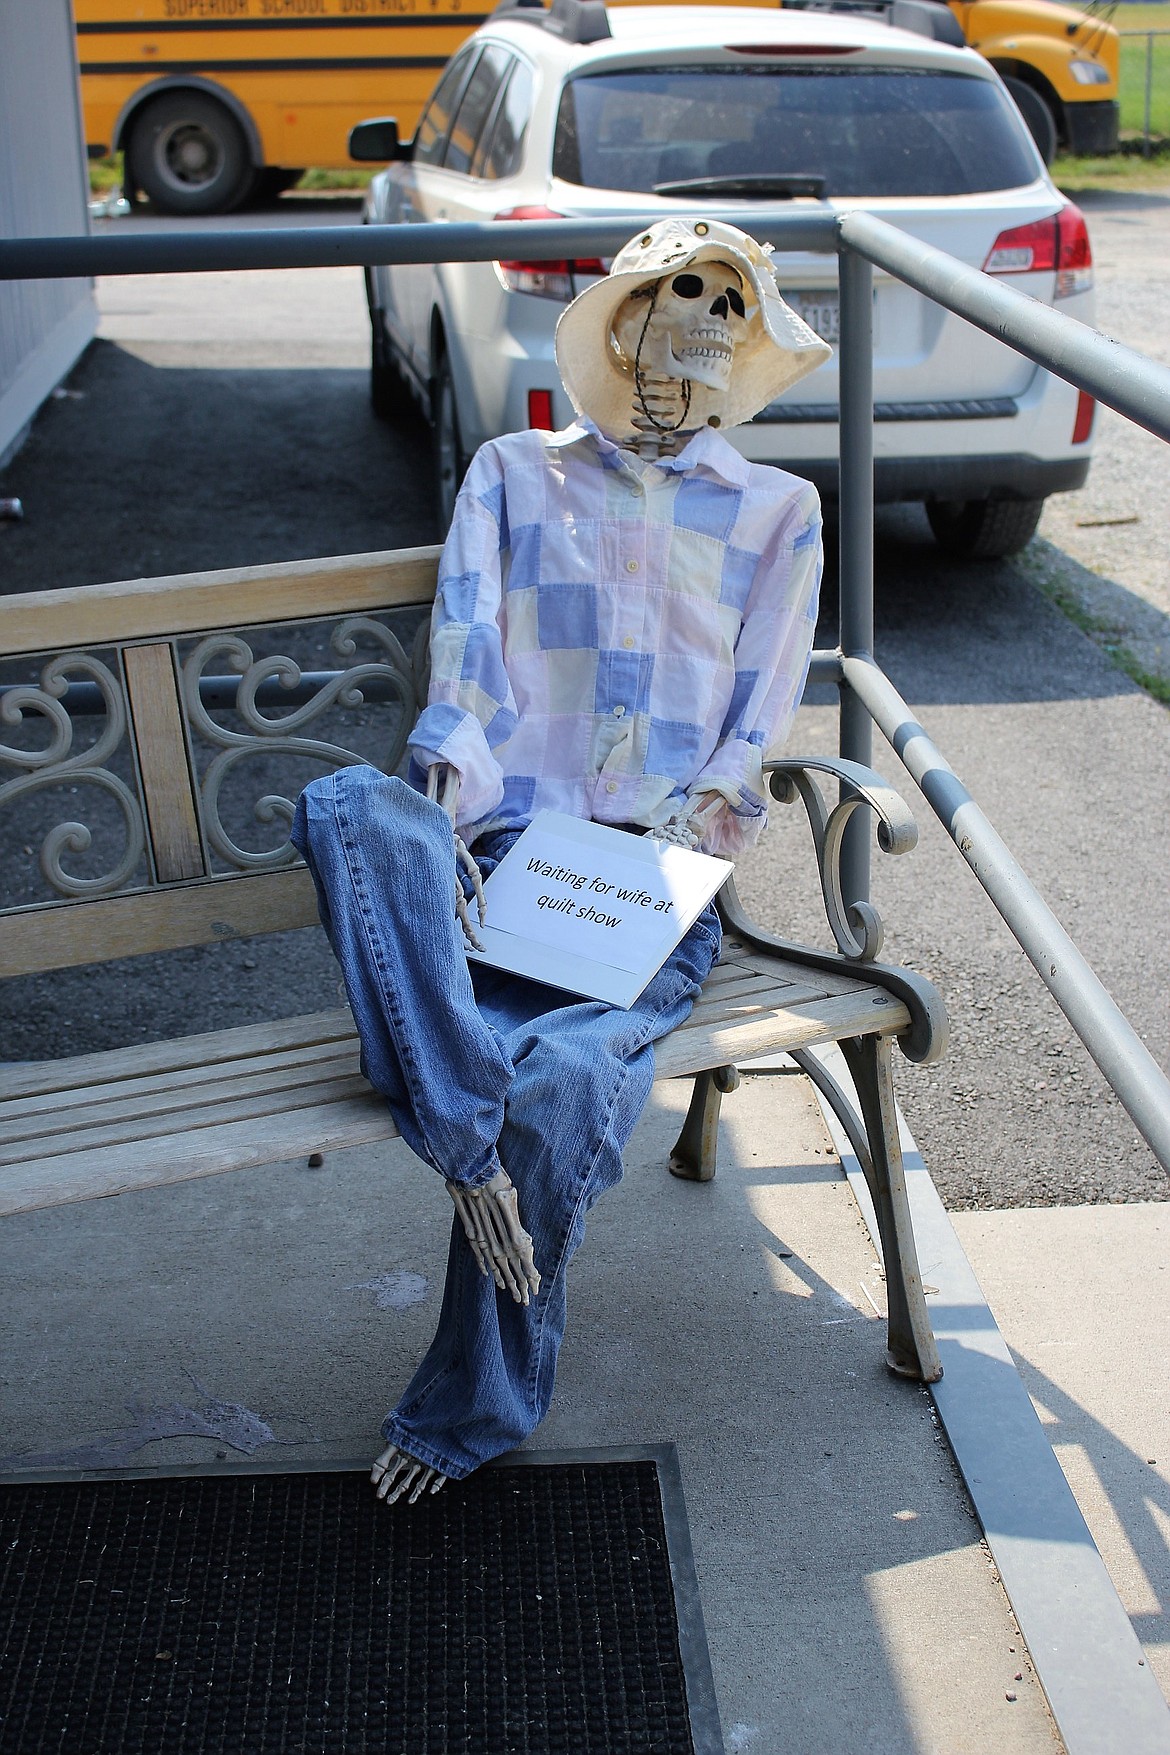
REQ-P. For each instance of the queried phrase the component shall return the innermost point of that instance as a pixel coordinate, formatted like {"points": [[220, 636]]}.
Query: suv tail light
{"points": [[1058, 244], [547, 280]]}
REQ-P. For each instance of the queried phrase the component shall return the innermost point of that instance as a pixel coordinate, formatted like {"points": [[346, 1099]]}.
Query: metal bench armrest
{"points": [[856, 926]]}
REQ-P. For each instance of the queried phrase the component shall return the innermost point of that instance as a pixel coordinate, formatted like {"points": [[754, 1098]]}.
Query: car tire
{"points": [[450, 462], [983, 530], [389, 396], [188, 154], [1036, 113]]}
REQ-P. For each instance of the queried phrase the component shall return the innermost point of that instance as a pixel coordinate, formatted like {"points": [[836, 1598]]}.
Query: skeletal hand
{"points": [[501, 1246], [689, 825], [450, 801]]}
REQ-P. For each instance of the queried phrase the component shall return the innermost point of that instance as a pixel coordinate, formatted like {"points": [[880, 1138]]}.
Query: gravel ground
{"points": [[1103, 550], [223, 421]]}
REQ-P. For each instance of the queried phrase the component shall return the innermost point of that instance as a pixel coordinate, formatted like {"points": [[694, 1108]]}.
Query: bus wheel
{"points": [[1036, 113], [188, 155]]}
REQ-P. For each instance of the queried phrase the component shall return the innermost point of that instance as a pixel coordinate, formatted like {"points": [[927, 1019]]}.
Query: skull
{"points": [[697, 318]]}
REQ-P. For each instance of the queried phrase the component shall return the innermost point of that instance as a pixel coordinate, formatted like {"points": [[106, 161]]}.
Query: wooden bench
{"points": [[141, 708]]}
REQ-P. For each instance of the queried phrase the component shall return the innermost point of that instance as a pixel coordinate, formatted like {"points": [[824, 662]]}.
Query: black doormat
{"points": [[546, 1605]]}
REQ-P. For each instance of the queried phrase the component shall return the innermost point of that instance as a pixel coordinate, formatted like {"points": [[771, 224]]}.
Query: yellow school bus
{"points": [[209, 98]]}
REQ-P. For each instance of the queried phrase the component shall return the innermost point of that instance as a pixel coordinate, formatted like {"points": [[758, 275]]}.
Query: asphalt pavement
{"points": [[222, 420]]}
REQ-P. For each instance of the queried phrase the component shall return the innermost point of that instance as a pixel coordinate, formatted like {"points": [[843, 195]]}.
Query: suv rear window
{"points": [[866, 131]]}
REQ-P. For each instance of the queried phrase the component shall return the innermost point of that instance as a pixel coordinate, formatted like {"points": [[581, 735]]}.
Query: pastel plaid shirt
{"points": [[611, 636]]}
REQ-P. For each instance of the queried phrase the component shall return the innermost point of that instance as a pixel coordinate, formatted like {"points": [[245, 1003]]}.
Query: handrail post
{"points": [[855, 360]]}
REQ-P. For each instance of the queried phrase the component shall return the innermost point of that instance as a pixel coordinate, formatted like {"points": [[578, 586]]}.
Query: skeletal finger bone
{"points": [[394, 1473], [470, 1230], [462, 914], [491, 1222], [519, 1242], [471, 1217], [472, 869]]}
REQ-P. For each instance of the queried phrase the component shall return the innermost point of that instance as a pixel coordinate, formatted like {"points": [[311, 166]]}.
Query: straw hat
{"points": [[777, 351]]}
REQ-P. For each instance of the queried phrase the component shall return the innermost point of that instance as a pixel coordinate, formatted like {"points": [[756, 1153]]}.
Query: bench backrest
{"points": [[141, 724]]}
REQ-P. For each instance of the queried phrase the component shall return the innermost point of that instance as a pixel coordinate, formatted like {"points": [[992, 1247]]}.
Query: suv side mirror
{"points": [[377, 142]]}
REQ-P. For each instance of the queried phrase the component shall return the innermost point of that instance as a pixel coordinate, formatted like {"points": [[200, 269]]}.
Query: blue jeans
{"points": [[480, 1068]]}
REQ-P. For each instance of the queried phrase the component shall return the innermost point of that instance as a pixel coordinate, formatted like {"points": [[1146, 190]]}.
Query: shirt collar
{"points": [[707, 450]]}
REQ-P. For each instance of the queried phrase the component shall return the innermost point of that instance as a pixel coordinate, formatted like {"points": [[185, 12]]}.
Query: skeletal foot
{"points": [[395, 1474], [502, 1247]]}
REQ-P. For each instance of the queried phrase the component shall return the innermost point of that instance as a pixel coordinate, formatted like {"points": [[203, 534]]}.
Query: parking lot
{"points": [[223, 420]]}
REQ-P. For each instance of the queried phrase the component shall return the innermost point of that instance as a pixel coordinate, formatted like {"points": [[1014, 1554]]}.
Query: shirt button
{"points": [[628, 641], [619, 712], [611, 786], [631, 566]]}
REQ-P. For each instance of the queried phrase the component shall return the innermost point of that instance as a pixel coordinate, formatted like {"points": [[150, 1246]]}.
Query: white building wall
{"points": [[44, 190]]}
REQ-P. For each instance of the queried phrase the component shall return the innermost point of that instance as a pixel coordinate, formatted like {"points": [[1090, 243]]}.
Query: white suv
{"points": [[583, 111]]}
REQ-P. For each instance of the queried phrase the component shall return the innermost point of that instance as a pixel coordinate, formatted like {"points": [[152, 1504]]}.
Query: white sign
{"points": [[590, 909]]}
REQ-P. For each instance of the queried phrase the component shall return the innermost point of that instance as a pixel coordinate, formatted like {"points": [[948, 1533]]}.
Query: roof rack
{"points": [[576, 21], [926, 18]]}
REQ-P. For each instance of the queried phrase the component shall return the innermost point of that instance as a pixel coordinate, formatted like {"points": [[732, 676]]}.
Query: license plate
{"points": [[820, 310]]}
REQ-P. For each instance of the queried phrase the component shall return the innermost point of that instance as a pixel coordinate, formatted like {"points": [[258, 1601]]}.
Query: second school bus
{"points": [[208, 97]]}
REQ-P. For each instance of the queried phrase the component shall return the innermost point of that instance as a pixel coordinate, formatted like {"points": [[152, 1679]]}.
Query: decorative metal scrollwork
{"points": [[59, 761], [282, 733], [857, 927]]}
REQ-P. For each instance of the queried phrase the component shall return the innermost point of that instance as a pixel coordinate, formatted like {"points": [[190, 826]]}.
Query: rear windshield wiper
{"points": [[778, 185]]}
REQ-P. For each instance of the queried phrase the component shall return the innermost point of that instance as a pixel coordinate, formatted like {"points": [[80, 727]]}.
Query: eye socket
{"points": [[735, 300], [688, 286]]}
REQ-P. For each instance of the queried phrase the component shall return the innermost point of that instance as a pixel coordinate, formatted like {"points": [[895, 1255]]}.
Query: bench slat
{"points": [[54, 935], [825, 1020], [233, 597], [200, 1099], [176, 1054], [183, 1156], [59, 1107], [161, 748], [229, 1107]]}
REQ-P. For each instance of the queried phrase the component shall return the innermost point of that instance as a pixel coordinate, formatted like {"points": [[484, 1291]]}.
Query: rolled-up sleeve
{"points": [[772, 657], [470, 707]]}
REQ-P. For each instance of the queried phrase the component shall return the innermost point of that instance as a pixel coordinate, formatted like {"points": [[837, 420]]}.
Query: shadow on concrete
{"points": [[141, 470], [1136, 1493]]}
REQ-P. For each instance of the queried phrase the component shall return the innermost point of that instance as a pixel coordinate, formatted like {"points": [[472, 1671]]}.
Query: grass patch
{"points": [[315, 178], [1121, 172], [1103, 632], [105, 175]]}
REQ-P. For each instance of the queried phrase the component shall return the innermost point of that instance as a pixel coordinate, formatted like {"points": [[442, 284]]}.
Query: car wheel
{"points": [[450, 463], [389, 396], [983, 530], [188, 155], [1036, 113]]}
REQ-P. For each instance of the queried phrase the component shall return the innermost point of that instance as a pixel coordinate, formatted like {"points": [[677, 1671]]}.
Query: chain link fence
{"points": [[1145, 86]]}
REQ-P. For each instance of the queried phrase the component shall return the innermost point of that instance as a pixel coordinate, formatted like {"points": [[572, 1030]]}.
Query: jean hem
{"points": [[420, 1452]]}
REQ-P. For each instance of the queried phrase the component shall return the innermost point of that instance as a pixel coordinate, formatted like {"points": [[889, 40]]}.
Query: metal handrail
{"points": [[1124, 380]]}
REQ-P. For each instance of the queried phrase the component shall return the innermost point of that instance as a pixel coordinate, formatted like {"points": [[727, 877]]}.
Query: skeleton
{"points": [[671, 332], [668, 333]]}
